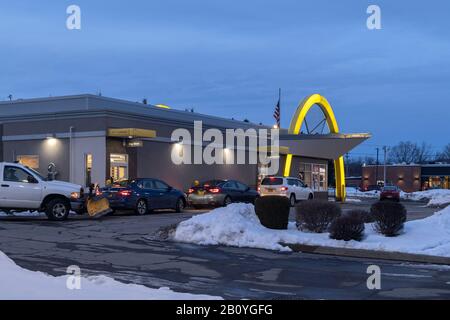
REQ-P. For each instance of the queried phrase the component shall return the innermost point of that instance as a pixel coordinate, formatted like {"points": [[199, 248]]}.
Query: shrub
{"points": [[273, 211], [349, 226], [316, 215], [389, 217]]}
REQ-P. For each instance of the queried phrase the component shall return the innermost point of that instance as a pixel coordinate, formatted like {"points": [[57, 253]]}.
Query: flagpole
{"points": [[279, 101]]}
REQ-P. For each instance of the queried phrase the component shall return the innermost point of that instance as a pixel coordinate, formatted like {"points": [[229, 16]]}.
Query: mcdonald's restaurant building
{"points": [[88, 139]]}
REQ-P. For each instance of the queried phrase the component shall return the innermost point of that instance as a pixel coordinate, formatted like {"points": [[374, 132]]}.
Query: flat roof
{"points": [[324, 146], [86, 103]]}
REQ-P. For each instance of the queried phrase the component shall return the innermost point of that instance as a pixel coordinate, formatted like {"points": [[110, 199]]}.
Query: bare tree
{"points": [[445, 154], [354, 165], [410, 152]]}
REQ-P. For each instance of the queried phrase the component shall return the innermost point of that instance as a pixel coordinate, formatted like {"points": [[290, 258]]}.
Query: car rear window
{"points": [[272, 181], [211, 183], [121, 184]]}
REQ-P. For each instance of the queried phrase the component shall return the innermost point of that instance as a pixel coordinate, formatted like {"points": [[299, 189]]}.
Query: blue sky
{"points": [[229, 58]]}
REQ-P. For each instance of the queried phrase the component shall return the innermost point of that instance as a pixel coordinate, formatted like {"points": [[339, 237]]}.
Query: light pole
{"points": [[71, 163], [376, 168], [385, 149]]}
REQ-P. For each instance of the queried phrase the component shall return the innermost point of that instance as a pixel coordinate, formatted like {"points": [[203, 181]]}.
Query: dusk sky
{"points": [[228, 58]]}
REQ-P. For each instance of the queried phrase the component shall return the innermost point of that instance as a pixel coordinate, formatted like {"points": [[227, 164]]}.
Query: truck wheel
{"points": [[57, 209]]}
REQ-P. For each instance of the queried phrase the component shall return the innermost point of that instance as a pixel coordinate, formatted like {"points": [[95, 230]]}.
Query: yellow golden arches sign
{"points": [[296, 124]]}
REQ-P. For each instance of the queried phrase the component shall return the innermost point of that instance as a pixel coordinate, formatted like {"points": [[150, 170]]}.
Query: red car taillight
{"points": [[191, 190], [125, 193], [98, 192], [284, 188], [214, 190]]}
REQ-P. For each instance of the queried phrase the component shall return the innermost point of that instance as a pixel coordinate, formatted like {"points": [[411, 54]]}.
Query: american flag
{"points": [[277, 112]]}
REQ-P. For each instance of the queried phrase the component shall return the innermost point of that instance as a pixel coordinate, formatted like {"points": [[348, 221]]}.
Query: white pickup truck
{"points": [[24, 189]]}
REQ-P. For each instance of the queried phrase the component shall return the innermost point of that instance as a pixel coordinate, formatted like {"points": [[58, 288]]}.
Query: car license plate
{"points": [[200, 192], [270, 189]]}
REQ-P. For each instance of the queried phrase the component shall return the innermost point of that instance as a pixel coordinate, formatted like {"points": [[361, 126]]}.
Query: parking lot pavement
{"points": [[416, 210], [117, 246]]}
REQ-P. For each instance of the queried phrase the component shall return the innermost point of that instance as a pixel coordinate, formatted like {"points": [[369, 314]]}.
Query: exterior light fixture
{"points": [[179, 148], [162, 106], [275, 126], [51, 139]]}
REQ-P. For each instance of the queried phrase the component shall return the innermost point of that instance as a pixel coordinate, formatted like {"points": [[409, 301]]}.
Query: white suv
{"points": [[292, 188]]}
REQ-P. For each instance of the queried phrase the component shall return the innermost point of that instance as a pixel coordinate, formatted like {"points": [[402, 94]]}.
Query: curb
{"points": [[371, 254]]}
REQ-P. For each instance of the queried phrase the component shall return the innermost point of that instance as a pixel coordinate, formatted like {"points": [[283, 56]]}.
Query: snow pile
{"points": [[355, 193], [22, 214], [435, 197], [19, 283], [235, 225], [238, 225]]}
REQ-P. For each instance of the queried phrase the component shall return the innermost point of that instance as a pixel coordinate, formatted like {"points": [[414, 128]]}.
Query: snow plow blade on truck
{"points": [[97, 206]]}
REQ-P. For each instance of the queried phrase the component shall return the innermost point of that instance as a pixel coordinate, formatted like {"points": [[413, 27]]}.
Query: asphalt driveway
{"points": [[118, 246]]}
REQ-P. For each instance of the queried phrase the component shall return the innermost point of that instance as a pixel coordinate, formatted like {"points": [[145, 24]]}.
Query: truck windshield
{"points": [[36, 174]]}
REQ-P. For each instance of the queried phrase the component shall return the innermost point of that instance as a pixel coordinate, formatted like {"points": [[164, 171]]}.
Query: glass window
{"points": [[118, 158], [211, 183], [121, 184], [272, 181], [241, 186], [118, 166], [15, 174], [314, 175], [140, 184], [230, 185], [148, 184], [159, 185], [88, 169], [31, 161]]}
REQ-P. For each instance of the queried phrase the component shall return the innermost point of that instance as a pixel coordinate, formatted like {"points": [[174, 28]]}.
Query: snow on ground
{"points": [[435, 197], [353, 200], [238, 225], [355, 193], [19, 283], [22, 214]]}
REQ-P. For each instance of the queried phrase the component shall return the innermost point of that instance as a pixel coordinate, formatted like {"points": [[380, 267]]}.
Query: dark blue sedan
{"points": [[143, 196]]}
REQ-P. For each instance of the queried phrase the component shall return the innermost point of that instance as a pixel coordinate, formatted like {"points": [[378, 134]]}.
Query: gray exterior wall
{"points": [[1, 143], [58, 154], [154, 160]]}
